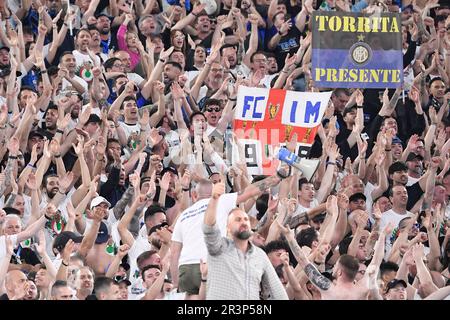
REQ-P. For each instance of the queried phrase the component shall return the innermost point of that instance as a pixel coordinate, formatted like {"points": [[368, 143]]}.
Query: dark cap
{"points": [[397, 166], [102, 235], [357, 196], [170, 169], [98, 15], [40, 133], [396, 140], [413, 156], [61, 240], [157, 227], [93, 118], [393, 283], [5, 48]]}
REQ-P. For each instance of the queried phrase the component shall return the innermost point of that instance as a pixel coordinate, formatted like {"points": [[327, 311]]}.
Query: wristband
{"points": [[186, 189], [195, 15], [43, 71], [387, 150], [12, 157], [47, 217], [332, 163], [59, 131], [235, 99], [11, 125], [203, 280], [162, 60], [57, 155], [31, 166], [359, 107], [64, 264], [279, 32]]}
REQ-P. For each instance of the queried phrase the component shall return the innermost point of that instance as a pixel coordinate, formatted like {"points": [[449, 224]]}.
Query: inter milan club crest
{"points": [[360, 52]]}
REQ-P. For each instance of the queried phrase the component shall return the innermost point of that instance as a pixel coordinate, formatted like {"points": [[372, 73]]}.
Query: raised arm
{"points": [[125, 234], [320, 281]]}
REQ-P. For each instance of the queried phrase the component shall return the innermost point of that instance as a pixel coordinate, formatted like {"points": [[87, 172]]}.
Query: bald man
{"points": [[16, 286]]}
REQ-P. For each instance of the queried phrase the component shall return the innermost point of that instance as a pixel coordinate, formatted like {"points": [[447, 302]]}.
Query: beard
{"points": [[52, 193], [243, 235]]}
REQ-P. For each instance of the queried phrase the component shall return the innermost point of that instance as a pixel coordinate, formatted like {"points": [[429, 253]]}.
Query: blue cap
{"points": [[396, 140]]}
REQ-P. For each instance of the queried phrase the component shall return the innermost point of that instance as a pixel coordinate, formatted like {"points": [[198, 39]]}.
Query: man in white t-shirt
{"points": [[131, 117], [12, 226], [399, 199], [188, 245]]}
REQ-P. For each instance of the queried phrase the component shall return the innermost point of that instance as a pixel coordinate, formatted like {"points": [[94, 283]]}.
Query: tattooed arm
{"points": [[314, 275], [256, 189]]}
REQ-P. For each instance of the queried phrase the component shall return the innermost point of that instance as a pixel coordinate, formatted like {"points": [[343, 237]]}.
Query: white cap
{"points": [[97, 200], [210, 6]]}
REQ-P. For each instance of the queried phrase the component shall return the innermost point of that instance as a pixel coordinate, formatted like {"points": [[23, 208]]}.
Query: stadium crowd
{"points": [[115, 180]]}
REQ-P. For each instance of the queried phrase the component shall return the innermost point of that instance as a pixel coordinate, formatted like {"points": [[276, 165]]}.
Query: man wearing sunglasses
{"points": [[213, 113]]}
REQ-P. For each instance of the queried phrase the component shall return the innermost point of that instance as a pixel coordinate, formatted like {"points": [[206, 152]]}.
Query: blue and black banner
{"points": [[354, 50]]}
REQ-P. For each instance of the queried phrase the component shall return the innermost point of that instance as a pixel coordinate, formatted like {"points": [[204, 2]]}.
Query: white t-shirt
{"points": [[81, 81], [130, 128], [139, 246], [137, 79], [411, 181], [188, 229], [81, 58], [394, 218], [301, 208], [3, 245]]}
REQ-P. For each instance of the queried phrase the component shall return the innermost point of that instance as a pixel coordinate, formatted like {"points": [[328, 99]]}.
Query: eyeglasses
{"points": [[217, 109], [118, 65]]}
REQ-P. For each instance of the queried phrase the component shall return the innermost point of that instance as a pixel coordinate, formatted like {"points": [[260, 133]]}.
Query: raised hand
{"points": [[135, 180], [165, 181], [145, 119], [185, 179], [31, 182], [123, 250], [67, 251], [13, 146], [40, 247], [218, 189], [165, 54], [66, 180], [80, 146], [64, 122], [54, 148]]}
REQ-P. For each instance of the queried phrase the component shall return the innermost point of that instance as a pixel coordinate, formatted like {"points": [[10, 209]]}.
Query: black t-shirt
{"points": [[288, 44], [4, 297], [414, 194], [207, 42]]}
